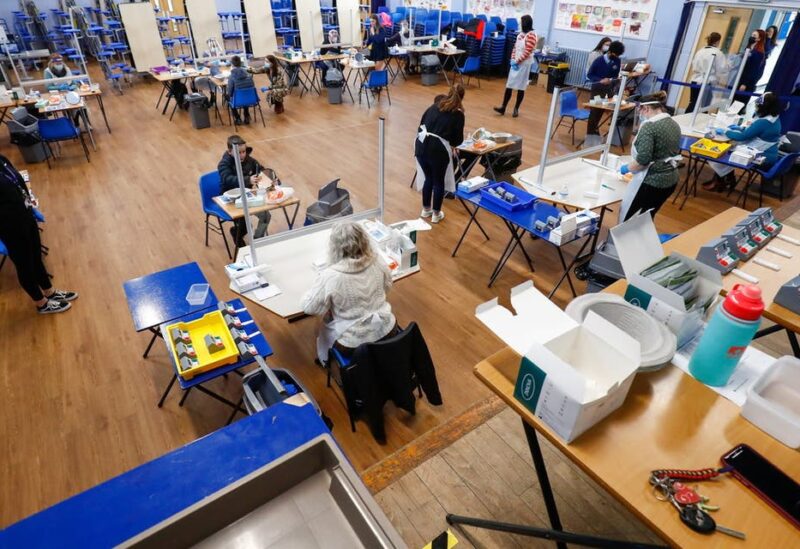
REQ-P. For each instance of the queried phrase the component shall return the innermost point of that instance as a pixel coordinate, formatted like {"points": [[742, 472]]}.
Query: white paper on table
{"points": [[265, 293], [750, 367], [416, 224]]}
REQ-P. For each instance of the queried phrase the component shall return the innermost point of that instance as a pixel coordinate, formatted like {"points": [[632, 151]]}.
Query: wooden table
{"points": [[769, 281], [306, 73], [450, 55], [609, 110], [238, 213], [167, 79], [670, 420], [97, 93], [698, 129]]}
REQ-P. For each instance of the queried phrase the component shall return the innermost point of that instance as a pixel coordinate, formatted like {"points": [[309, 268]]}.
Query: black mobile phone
{"points": [[774, 486]]}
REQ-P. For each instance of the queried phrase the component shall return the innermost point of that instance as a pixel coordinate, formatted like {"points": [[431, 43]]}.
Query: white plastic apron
{"points": [[331, 331], [638, 177], [518, 78], [449, 174]]}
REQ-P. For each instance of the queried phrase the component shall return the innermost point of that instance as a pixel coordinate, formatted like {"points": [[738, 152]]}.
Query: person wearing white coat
{"points": [[702, 60], [521, 61], [350, 294]]}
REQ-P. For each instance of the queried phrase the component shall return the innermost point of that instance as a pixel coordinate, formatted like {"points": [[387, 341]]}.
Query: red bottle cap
{"points": [[744, 302]]}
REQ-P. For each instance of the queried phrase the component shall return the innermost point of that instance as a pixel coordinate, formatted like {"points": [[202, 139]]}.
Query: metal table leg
{"points": [[85, 117], [472, 219], [103, 110], [294, 215], [515, 241], [567, 269], [156, 334]]}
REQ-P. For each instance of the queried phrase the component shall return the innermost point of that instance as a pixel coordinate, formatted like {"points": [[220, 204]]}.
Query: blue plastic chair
{"points": [[54, 130], [471, 66], [4, 253], [512, 24], [401, 10], [377, 81], [569, 109], [397, 17], [420, 14], [209, 188], [245, 98], [778, 169], [383, 9], [432, 27]]}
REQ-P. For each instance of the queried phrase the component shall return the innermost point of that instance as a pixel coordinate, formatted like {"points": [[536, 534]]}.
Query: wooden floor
{"points": [[78, 402]]}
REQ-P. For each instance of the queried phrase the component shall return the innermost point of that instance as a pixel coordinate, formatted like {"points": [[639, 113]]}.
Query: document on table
{"points": [[752, 365], [265, 293]]}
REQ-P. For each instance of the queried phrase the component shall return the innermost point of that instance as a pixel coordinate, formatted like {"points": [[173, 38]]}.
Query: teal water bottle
{"points": [[729, 332]]}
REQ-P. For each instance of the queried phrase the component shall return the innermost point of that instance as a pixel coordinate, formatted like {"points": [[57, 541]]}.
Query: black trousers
{"points": [[20, 234], [595, 115], [693, 94], [649, 198], [434, 164]]}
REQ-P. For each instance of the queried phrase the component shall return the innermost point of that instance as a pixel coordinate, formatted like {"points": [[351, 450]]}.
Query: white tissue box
{"points": [[773, 401]]}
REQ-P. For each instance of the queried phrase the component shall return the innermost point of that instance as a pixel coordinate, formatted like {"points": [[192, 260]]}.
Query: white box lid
{"points": [[637, 244]]}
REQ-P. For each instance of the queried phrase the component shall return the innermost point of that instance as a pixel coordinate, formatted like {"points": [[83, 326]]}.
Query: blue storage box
{"points": [[523, 200]]}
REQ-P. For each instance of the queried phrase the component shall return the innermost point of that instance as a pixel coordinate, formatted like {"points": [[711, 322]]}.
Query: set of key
{"points": [[693, 508]]}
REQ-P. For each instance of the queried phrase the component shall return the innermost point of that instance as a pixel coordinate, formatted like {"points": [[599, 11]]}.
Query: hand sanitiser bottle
{"points": [[729, 332]]}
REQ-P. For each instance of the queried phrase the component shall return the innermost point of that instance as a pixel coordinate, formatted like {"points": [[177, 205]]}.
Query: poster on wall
{"points": [[608, 17]]}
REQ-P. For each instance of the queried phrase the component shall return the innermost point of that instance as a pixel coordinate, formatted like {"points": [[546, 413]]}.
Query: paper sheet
{"points": [[752, 365], [265, 293], [417, 224]]}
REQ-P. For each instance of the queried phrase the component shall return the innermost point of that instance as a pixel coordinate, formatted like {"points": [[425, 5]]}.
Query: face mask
{"points": [[751, 41], [58, 66], [605, 49]]}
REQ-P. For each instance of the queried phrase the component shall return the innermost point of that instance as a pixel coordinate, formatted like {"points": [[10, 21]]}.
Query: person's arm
{"points": [[456, 130], [530, 45], [387, 275], [596, 72], [756, 129], [227, 176], [316, 300]]}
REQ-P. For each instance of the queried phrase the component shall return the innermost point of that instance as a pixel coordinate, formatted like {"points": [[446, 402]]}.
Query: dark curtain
{"points": [[785, 75], [676, 46]]}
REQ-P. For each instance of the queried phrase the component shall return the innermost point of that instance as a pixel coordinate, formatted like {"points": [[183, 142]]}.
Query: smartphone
{"points": [[774, 486]]}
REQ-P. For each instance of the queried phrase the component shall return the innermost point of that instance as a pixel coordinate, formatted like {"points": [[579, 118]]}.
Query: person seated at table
{"points": [[331, 38], [56, 68], [656, 153], [763, 134], [440, 130], [239, 79], [350, 294], [599, 50], [277, 85], [602, 73], [376, 42], [251, 172], [403, 38], [19, 232]]}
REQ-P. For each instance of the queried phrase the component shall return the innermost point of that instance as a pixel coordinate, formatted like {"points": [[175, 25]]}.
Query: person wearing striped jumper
{"points": [[521, 61]]}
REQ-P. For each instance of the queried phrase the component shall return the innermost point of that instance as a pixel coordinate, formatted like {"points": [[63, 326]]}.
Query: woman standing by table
{"points": [[521, 61], [599, 50], [656, 153], [376, 42], [753, 67], [441, 129]]}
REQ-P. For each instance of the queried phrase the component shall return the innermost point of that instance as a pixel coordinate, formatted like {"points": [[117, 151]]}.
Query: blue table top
{"points": [[124, 506], [261, 343], [725, 159], [161, 297], [525, 218]]}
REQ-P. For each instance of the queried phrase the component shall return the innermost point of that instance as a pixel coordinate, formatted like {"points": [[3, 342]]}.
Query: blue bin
{"points": [[523, 200]]}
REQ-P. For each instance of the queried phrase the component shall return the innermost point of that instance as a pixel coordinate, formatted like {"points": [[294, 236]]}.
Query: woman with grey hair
{"points": [[350, 293]]}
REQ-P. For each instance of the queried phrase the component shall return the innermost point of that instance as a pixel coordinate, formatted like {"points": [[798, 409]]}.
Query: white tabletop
{"points": [[579, 176], [700, 124], [291, 268]]}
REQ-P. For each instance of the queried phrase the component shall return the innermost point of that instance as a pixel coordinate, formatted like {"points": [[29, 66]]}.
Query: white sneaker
{"points": [[426, 213], [436, 217]]}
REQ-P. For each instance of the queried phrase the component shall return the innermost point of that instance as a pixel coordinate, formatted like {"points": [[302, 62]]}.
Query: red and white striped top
{"points": [[524, 46]]}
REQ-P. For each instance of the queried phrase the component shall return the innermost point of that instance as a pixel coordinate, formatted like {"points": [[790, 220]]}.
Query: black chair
{"points": [[349, 375]]}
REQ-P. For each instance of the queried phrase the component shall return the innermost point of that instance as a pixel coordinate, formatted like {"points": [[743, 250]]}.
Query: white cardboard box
{"points": [[638, 247], [571, 375]]}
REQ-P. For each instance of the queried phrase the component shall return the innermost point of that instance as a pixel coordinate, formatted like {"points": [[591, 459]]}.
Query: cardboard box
{"points": [[571, 375], [638, 247]]}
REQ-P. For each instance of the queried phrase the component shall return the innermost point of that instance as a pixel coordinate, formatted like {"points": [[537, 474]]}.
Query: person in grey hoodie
{"points": [[239, 79]]}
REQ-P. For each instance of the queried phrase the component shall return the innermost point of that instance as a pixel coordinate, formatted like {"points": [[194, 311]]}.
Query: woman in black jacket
{"points": [[441, 129], [20, 234]]}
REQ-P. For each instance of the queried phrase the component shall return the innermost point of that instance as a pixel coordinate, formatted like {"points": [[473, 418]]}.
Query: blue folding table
{"points": [[257, 338], [126, 505], [696, 164], [161, 297], [518, 223]]}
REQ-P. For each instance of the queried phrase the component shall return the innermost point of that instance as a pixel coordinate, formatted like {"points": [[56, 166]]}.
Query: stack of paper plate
{"points": [[657, 342]]}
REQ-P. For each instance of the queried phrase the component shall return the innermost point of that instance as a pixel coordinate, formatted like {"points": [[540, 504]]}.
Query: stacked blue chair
{"points": [[483, 18], [431, 27], [401, 10], [493, 52], [383, 9], [496, 20], [512, 24], [511, 39], [446, 18], [421, 14]]}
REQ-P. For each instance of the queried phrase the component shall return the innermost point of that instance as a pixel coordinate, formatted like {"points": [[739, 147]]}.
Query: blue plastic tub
{"points": [[523, 200]]}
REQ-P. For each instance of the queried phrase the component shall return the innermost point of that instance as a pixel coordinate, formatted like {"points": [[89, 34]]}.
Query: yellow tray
{"points": [[709, 148], [209, 324]]}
